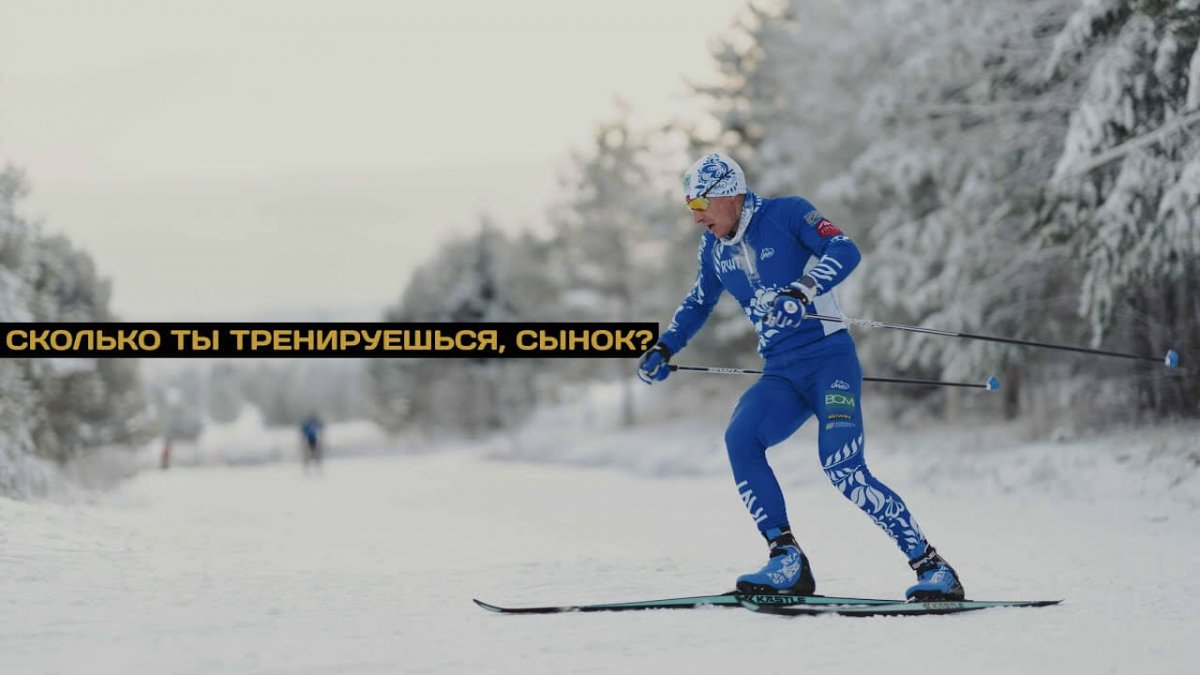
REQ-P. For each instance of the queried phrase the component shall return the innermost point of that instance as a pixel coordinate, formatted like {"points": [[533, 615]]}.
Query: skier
{"points": [[311, 430], [781, 259]]}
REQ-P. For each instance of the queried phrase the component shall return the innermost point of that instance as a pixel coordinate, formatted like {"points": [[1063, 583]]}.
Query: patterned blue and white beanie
{"points": [[712, 167]]}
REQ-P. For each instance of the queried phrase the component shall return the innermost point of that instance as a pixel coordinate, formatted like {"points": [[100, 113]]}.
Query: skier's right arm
{"points": [[699, 302]]}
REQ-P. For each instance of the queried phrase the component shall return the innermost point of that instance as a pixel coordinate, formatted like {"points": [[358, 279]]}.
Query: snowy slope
{"points": [[371, 567], [248, 440], [1152, 465]]}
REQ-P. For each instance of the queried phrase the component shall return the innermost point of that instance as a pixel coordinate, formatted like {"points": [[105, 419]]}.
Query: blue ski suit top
{"points": [[311, 429], [777, 242]]}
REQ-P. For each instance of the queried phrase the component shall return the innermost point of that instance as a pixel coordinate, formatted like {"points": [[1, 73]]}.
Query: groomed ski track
{"points": [[372, 567]]}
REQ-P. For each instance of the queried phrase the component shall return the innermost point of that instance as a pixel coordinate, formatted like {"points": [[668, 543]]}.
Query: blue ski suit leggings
{"points": [[822, 379]]}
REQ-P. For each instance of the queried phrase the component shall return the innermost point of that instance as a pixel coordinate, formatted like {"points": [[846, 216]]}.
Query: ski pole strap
{"points": [[1171, 360], [991, 384]]}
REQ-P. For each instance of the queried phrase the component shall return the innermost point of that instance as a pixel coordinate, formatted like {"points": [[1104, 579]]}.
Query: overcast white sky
{"points": [[275, 157]]}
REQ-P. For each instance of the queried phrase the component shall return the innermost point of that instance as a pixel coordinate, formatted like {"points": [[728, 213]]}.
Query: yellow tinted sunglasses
{"points": [[700, 202]]}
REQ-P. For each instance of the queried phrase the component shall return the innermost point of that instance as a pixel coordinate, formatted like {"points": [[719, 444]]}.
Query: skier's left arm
{"points": [[837, 255]]}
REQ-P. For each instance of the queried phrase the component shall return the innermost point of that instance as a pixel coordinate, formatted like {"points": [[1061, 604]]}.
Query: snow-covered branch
{"points": [[1135, 143]]}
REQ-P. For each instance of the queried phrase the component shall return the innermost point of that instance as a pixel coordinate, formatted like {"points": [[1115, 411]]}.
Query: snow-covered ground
{"points": [[371, 566], [247, 440]]}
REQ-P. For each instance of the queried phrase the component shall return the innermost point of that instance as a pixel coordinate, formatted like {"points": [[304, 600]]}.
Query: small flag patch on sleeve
{"points": [[827, 229]]}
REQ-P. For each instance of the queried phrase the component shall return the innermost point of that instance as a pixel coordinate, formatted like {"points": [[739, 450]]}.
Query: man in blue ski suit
{"points": [[311, 429], [781, 259]]}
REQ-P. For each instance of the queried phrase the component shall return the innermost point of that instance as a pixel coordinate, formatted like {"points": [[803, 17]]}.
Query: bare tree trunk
{"points": [[1012, 392]]}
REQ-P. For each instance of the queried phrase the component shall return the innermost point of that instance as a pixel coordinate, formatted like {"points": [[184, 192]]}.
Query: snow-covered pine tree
{"points": [[1126, 187], [965, 135], [788, 86], [56, 409], [90, 402], [468, 280], [927, 125], [610, 227], [19, 402]]}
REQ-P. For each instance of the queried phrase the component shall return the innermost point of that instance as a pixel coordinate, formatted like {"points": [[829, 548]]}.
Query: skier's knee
{"points": [[842, 478], [741, 439], [741, 427], [845, 467], [735, 439]]}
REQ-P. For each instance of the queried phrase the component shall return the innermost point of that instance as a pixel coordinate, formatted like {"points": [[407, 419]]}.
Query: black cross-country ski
{"points": [[730, 599], [891, 609]]}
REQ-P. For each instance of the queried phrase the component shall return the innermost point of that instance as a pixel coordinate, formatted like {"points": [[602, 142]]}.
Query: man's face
{"points": [[722, 215]]}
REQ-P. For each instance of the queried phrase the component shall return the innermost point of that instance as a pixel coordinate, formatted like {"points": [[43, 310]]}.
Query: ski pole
{"points": [[992, 383], [1171, 360]]}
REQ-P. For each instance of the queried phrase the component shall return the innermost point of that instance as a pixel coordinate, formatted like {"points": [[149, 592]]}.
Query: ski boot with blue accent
{"points": [[936, 579], [786, 572]]}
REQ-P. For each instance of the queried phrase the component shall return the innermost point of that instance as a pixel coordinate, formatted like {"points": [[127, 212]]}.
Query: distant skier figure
{"points": [[781, 259], [311, 430]]}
